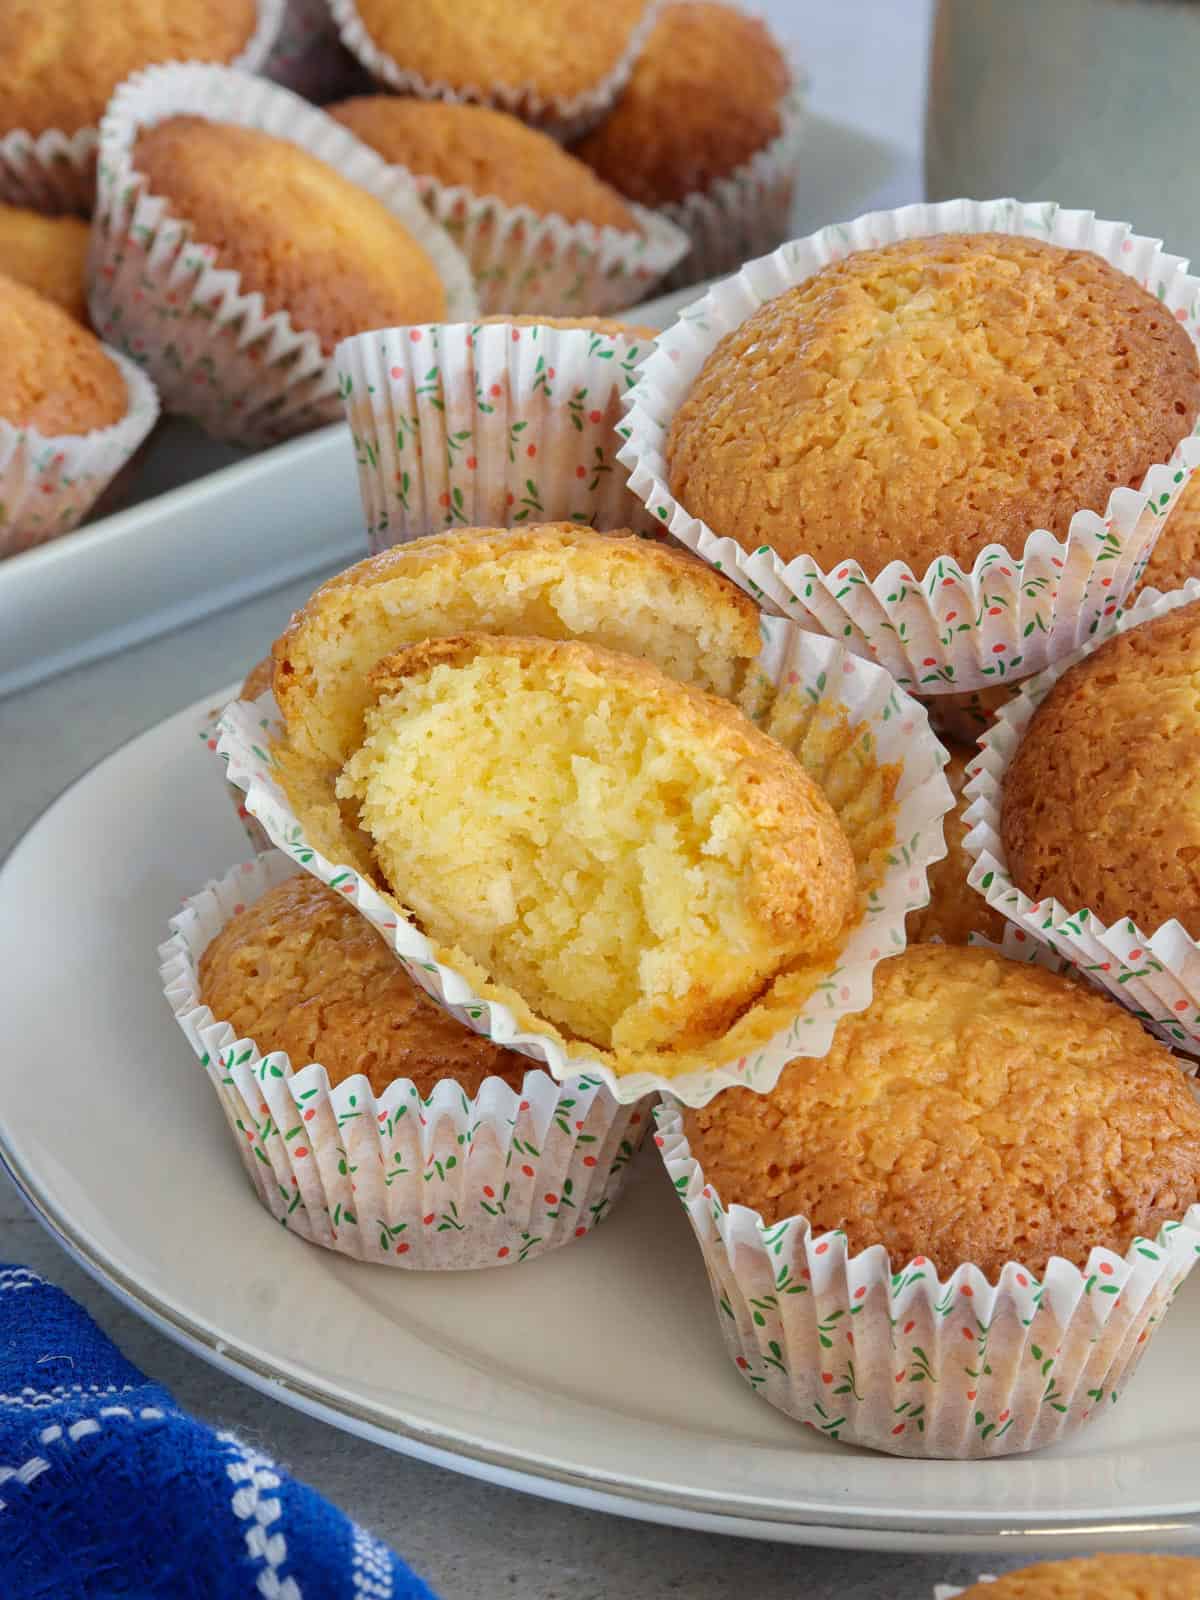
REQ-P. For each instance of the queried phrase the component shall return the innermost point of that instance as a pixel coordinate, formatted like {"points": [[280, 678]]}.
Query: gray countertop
{"points": [[468, 1538]]}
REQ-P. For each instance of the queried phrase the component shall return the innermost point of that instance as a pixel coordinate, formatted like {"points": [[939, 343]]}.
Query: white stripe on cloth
{"points": [[254, 1476]]}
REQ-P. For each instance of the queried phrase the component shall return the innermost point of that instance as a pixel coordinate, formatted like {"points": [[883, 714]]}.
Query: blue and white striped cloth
{"points": [[108, 1489]]}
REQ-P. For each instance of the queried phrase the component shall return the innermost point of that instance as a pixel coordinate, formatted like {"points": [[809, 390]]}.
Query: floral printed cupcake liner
{"points": [[527, 261], [462, 425], [444, 1183], [308, 56], [49, 483], [208, 733], [158, 293], [903, 1362], [748, 212], [56, 171], [566, 118], [803, 671], [1156, 975], [945, 630]]}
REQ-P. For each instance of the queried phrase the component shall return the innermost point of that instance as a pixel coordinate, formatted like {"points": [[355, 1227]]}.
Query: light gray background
{"points": [[867, 62]]}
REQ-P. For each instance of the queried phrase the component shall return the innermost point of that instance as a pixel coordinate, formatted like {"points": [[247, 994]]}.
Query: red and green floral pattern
{"points": [[944, 630], [906, 1363], [443, 1183], [488, 427], [1156, 974]]}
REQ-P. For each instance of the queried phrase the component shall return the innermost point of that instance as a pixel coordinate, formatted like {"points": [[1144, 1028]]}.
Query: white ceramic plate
{"points": [[594, 1375]]}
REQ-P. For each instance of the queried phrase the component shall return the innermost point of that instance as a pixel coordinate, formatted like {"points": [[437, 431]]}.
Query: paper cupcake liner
{"points": [[208, 733], [49, 483], [566, 118], [906, 1363], [1156, 975], [461, 425], [56, 171], [308, 56], [745, 214], [160, 295], [809, 672], [437, 1184], [526, 261], [944, 630]]}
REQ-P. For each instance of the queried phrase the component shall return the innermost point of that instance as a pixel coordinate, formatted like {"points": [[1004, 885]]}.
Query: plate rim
{"points": [[512, 1468]]}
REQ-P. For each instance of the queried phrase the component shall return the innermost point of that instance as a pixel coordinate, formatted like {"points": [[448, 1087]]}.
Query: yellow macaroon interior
{"points": [[597, 874]]}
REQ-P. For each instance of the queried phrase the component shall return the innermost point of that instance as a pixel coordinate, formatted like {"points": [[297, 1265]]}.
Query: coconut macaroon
{"points": [[979, 1110], [556, 581], [625, 855], [48, 254], [1101, 801], [930, 398], [312, 242], [486, 151], [301, 971]]}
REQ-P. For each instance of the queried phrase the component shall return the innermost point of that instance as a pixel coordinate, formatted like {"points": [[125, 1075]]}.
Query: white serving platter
{"points": [[595, 1375]]}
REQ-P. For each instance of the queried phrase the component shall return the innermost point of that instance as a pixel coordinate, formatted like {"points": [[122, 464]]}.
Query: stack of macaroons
{"points": [[594, 830]]}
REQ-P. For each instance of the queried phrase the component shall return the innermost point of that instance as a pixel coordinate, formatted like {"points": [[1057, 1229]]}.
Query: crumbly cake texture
{"points": [[980, 1110], [629, 854], [955, 910], [302, 971], [930, 398], [557, 48], [60, 60], [554, 581], [1176, 556], [704, 97], [54, 375], [1101, 801], [607, 325], [48, 254], [486, 151], [1108, 1577], [308, 240]]}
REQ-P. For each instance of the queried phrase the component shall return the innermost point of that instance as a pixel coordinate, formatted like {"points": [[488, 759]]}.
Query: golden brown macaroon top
{"points": [[704, 97], [60, 60], [302, 971], [488, 152], [1176, 556], [1108, 1577], [1101, 802], [308, 240], [54, 375], [932, 397], [557, 49], [980, 1110], [48, 254], [955, 910]]}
